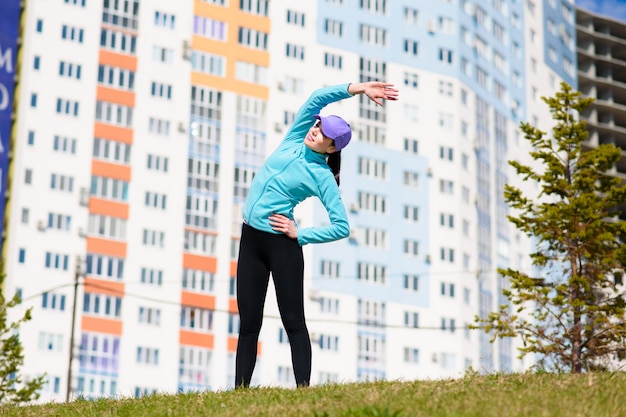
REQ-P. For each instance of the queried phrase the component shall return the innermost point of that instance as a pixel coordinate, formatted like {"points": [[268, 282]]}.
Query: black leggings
{"points": [[259, 254]]}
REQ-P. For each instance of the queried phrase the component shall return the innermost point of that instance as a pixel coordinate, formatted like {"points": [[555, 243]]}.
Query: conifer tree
{"points": [[13, 390], [570, 315]]}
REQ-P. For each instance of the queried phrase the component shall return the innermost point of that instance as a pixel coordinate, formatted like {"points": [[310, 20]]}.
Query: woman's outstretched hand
{"points": [[375, 90], [284, 225]]}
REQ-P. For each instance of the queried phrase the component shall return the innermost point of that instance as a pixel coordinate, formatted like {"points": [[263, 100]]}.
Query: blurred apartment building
{"points": [[138, 127], [601, 52]]}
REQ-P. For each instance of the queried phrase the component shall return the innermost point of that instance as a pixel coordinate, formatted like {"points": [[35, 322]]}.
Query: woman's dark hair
{"points": [[334, 162]]}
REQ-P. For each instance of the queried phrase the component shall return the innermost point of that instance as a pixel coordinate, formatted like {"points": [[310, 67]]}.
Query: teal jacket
{"points": [[293, 172]]}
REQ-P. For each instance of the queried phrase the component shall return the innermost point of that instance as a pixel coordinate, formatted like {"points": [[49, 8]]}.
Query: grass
{"points": [[536, 395]]}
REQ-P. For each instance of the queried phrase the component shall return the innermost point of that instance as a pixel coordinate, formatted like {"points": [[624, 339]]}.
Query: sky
{"points": [[615, 9]]}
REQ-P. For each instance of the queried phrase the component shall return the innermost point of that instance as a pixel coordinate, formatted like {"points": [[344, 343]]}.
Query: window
{"points": [[294, 51], [498, 32], [328, 342], [329, 305], [372, 35], [76, 2], [69, 70], [33, 100], [161, 54], [445, 88], [113, 113], [370, 312], [446, 121], [411, 319], [333, 28], [161, 90], [410, 179], [373, 238], [208, 63], [72, 33], [333, 60], [448, 324], [152, 276], [233, 324], [446, 25], [194, 368], [59, 221], [411, 112], [116, 77], [568, 66], [51, 342], [118, 41], [295, 17], [39, 26], [252, 38], [446, 153], [258, 7], [482, 78], [499, 91], [411, 247], [410, 15], [159, 126], [251, 73], [110, 150], [372, 168], [329, 269], [109, 188], [25, 215], [166, 20], [446, 254], [149, 315], [374, 6], [147, 355], [410, 282], [155, 200], [411, 213], [199, 242], [210, 28], [411, 79], [123, 14], [64, 144], [411, 355], [21, 255], [108, 306], [107, 226], [157, 163], [411, 47], [103, 266], [447, 289], [153, 238], [198, 281], [68, 107], [411, 145], [36, 62], [371, 273], [57, 261], [196, 319], [28, 176], [371, 202], [99, 354], [446, 186]]}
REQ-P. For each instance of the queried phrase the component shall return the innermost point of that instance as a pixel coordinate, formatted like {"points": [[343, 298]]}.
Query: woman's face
{"points": [[316, 140]]}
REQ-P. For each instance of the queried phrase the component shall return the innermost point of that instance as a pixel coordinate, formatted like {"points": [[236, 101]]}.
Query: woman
{"points": [[305, 164]]}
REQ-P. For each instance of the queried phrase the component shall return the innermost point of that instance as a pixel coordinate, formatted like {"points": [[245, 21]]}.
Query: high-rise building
{"points": [[140, 125], [601, 62]]}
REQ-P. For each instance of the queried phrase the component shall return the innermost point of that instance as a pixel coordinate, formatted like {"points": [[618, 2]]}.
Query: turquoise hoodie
{"points": [[293, 172]]}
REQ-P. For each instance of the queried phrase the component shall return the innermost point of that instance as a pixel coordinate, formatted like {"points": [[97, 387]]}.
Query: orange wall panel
{"points": [[125, 98], [232, 306], [106, 247], [118, 60], [190, 338], [232, 343], [233, 268], [101, 286], [230, 84], [107, 169], [201, 263], [101, 325], [197, 300], [108, 208], [120, 134]]}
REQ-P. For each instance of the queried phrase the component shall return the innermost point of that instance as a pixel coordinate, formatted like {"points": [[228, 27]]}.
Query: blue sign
{"points": [[9, 27]]}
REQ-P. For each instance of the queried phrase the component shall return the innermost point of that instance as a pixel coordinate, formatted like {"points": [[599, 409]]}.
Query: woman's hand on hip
{"points": [[284, 225]]}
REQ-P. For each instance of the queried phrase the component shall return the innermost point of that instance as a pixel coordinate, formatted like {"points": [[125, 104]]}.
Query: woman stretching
{"points": [[305, 164]]}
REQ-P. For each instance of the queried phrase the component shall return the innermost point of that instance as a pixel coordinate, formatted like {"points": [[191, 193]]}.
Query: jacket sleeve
{"points": [[339, 228], [319, 99]]}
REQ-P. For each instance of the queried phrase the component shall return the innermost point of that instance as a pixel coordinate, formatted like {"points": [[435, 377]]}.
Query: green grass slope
{"points": [[536, 395]]}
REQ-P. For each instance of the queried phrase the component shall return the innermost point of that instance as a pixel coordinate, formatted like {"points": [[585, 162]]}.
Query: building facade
{"points": [[140, 125]]}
